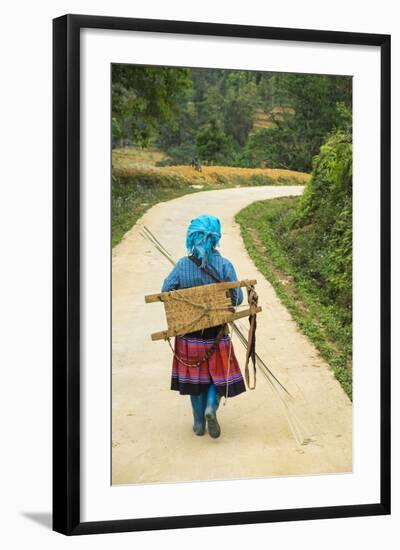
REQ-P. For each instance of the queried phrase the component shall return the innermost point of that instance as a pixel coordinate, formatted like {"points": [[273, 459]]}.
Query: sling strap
{"points": [[205, 268], [251, 345]]}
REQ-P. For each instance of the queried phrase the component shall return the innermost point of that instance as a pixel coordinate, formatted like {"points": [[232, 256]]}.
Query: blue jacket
{"points": [[187, 274]]}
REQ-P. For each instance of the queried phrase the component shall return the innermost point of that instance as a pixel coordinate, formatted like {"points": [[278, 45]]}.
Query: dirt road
{"points": [[152, 426]]}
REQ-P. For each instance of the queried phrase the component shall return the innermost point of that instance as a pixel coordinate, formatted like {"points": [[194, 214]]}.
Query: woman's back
{"points": [[187, 274]]}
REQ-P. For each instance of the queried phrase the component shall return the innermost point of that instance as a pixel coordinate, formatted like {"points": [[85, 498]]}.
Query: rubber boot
{"points": [[204, 395], [198, 407], [214, 429]]}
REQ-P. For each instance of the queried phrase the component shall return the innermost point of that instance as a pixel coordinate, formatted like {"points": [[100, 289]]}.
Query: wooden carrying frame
{"points": [[199, 307]]}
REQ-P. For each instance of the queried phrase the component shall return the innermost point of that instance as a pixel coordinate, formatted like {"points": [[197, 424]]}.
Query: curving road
{"points": [[152, 426]]}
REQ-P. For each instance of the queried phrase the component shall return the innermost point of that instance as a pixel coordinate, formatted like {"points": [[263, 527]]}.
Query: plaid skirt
{"points": [[191, 380]]}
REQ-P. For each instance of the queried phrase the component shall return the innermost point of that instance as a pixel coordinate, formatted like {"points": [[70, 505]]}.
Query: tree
{"points": [[239, 112], [144, 97], [214, 145]]}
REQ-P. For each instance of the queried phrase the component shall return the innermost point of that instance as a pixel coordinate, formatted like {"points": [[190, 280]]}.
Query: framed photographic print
{"points": [[221, 274]]}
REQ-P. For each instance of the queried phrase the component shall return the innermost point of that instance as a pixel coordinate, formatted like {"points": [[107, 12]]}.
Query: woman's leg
{"points": [[198, 406], [211, 411]]}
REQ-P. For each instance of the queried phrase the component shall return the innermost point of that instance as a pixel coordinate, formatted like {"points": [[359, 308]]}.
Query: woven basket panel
{"points": [[183, 317]]}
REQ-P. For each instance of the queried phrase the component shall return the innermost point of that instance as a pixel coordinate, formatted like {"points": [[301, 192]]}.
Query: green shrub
{"points": [[326, 207]]}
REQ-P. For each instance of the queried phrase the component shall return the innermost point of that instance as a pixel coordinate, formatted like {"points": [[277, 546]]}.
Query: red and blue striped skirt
{"points": [[190, 378]]}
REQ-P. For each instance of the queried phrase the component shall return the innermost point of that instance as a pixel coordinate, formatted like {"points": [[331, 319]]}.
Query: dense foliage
{"points": [[142, 98], [311, 107], [238, 118], [324, 217]]}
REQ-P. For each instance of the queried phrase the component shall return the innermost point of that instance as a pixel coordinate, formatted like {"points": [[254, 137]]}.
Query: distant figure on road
{"points": [[196, 164], [205, 381]]}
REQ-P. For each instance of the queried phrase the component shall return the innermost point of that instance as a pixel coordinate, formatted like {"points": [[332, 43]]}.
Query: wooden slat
{"points": [[163, 296], [164, 334], [244, 313]]}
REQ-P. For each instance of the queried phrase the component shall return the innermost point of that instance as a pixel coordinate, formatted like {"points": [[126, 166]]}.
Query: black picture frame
{"points": [[66, 274]]}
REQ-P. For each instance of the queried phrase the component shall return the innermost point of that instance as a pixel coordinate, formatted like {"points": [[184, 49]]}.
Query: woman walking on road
{"points": [[204, 365]]}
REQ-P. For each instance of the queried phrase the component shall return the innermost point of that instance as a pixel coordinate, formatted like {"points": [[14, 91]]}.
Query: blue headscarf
{"points": [[202, 236]]}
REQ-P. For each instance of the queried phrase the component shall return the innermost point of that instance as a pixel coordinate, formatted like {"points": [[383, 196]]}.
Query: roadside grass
{"points": [[135, 187], [131, 198], [278, 251]]}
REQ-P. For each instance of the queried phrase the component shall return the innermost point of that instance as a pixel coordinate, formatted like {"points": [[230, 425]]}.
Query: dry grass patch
{"points": [[130, 157], [263, 120], [213, 174]]}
